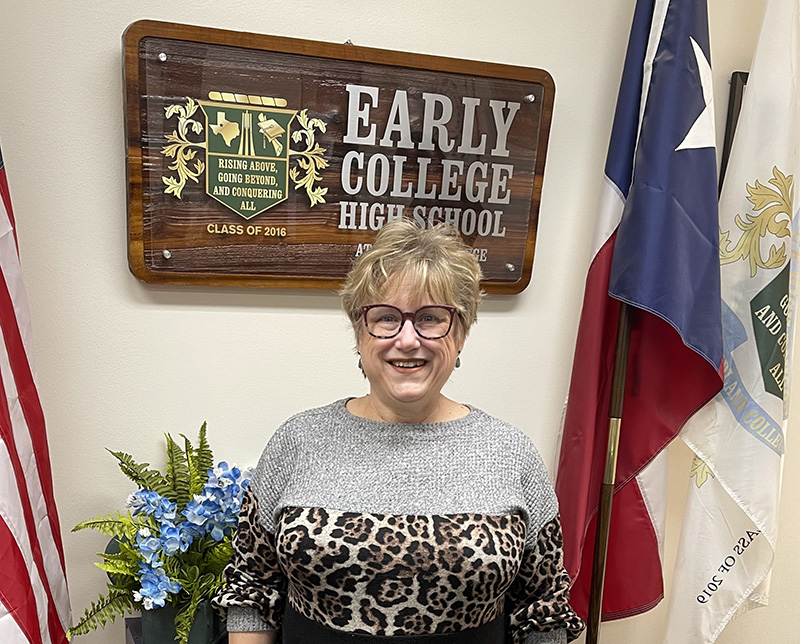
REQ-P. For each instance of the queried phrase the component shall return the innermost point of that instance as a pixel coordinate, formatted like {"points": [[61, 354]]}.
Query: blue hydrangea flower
{"points": [[155, 586], [215, 512], [152, 504], [175, 539], [196, 513], [148, 546], [222, 475], [143, 501], [166, 510]]}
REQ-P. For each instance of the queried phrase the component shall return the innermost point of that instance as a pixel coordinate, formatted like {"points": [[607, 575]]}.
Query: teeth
{"points": [[408, 363]]}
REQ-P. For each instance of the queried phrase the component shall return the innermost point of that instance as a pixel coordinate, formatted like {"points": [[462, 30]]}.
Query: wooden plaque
{"points": [[266, 161]]}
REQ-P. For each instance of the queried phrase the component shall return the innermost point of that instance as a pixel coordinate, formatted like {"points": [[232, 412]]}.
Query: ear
{"points": [[461, 337]]}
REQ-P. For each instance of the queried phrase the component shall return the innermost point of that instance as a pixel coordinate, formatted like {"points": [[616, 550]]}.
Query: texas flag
{"points": [[656, 248]]}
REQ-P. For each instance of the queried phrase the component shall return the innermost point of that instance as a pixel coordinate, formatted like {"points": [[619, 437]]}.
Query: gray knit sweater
{"points": [[333, 481]]}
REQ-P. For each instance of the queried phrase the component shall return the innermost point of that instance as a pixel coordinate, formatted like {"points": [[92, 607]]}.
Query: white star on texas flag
{"points": [[701, 134]]}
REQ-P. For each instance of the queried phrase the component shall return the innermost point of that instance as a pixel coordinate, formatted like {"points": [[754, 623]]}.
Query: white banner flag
{"points": [[730, 528]]}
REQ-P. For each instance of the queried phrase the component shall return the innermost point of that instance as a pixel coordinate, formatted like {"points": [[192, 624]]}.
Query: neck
{"points": [[439, 410]]}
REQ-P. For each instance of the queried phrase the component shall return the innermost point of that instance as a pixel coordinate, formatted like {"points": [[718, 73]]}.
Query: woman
{"points": [[401, 516]]}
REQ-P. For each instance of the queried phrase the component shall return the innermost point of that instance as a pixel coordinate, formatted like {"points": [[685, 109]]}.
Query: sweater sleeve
{"points": [[537, 603], [255, 586]]}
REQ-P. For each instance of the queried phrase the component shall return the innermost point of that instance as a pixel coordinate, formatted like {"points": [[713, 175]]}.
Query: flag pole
{"points": [[607, 488]]}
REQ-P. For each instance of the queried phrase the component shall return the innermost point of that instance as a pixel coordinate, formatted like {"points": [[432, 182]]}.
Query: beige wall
{"points": [[119, 363]]}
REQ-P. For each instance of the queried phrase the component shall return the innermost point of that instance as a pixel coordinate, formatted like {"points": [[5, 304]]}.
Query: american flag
{"points": [[34, 604]]}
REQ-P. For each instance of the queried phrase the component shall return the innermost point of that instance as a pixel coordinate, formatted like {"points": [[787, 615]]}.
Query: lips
{"points": [[407, 364]]}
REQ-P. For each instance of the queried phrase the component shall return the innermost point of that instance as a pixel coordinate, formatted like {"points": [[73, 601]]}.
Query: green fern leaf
{"points": [[118, 567], [177, 474], [203, 455], [218, 556], [126, 561], [205, 585], [140, 474], [114, 525], [185, 617], [103, 611], [196, 477]]}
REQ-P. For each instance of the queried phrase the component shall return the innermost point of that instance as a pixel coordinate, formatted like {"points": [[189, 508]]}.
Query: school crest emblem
{"points": [[248, 154]]}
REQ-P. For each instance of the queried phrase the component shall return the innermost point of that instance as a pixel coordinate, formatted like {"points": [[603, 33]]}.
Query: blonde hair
{"points": [[433, 262]]}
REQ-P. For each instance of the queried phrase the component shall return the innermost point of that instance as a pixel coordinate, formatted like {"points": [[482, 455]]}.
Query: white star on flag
{"points": [[701, 134]]}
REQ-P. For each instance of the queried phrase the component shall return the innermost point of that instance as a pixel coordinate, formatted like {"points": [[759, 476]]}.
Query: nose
{"points": [[407, 338]]}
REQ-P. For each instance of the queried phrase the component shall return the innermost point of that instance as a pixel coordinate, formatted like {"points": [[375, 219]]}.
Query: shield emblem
{"points": [[768, 310], [247, 155]]}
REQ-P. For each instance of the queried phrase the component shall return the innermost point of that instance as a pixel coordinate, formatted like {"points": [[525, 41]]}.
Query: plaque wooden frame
{"points": [[149, 256]]}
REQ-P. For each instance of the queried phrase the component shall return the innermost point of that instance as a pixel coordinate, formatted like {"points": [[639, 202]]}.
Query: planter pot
{"points": [[158, 626]]}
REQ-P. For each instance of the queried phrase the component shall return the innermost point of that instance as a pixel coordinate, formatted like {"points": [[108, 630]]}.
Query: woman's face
{"points": [[407, 372]]}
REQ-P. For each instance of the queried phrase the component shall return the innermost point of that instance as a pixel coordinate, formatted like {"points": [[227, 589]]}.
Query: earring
{"points": [[360, 368], [458, 361]]}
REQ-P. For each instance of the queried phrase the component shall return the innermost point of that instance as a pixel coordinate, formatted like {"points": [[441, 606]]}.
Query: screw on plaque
{"points": [[162, 57], [511, 268], [166, 254], [530, 98]]}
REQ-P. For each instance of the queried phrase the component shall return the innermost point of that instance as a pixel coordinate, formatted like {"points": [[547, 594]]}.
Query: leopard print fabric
{"points": [[398, 575], [538, 600], [253, 577]]}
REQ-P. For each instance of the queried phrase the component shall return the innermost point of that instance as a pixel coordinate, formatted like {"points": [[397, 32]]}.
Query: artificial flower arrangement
{"points": [[174, 541]]}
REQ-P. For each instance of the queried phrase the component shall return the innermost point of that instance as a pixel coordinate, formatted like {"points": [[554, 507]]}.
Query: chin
{"points": [[408, 396]]}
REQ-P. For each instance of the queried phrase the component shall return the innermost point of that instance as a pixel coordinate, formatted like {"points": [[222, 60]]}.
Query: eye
{"points": [[383, 316]]}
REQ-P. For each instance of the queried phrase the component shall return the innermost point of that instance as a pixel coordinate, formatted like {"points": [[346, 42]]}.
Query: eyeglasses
{"points": [[430, 322]]}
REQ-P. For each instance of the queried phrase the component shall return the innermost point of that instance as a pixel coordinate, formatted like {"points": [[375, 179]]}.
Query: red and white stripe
{"points": [[638, 526], [34, 603]]}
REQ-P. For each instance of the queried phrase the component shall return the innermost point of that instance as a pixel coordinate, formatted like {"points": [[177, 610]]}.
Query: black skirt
{"points": [[298, 629]]}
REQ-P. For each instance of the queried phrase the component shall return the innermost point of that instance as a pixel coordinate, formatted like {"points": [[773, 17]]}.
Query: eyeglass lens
{"points": [[431, 322]]}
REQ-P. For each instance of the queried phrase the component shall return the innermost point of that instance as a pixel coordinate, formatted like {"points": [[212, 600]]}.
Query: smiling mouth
{"points": [[407, 364]]}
